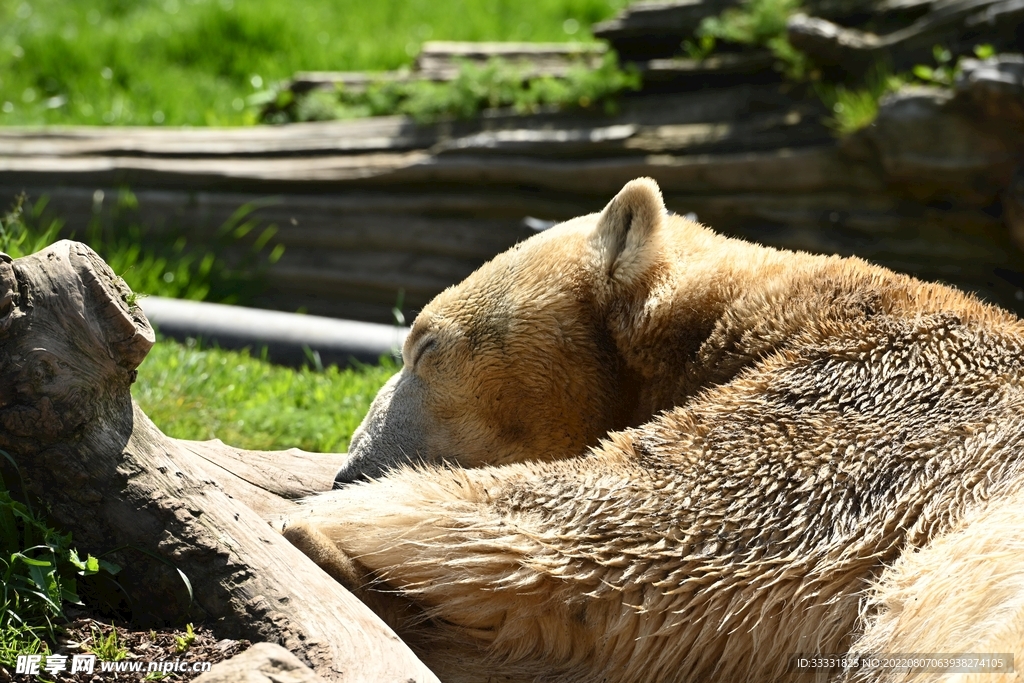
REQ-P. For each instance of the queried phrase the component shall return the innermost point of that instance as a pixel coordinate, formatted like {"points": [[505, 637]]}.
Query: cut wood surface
{"points": [[165, 509]]}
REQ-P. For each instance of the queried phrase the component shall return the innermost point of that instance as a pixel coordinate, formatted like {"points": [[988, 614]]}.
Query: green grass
{"points": [[162, 265], [183, 642], [854, 108], [196, 62], [193, 393], [107, 648], [19, 639], [23, 230]]}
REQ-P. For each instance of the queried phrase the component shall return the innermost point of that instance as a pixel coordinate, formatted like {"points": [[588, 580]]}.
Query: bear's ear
{"points": [[628, 231]]}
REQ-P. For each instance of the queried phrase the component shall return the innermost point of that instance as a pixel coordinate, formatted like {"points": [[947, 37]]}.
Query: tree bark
{"points": [[958, 25], [188, 521]]}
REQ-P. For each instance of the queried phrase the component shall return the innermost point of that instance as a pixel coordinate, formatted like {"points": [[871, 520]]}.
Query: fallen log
{"points": [[958, 25], [378, 134], [189, 522], [654, 29], [442, 61]]}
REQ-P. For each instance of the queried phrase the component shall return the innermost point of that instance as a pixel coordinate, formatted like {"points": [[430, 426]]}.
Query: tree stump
{"points": [[180, 517]]}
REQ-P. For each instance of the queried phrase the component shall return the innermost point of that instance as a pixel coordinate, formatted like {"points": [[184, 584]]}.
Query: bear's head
{"points": [[522, 359]]}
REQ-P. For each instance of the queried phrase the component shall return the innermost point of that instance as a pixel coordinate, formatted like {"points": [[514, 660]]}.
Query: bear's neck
{"points": [[719, 313]]}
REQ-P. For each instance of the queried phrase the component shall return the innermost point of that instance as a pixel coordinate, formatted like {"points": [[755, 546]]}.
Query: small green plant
{"points": [[108, 647], [22, 231], [793, 64], [757, 22], [942, 74], [132, 299], [855, 108], [17, 638], [945, 71], [183, 642], [495, 84], [700, 48], [985, 51], [38, 573]]}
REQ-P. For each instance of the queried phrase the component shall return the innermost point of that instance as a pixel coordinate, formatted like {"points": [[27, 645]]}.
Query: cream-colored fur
{"points": [[646, 452], [962, 592]]}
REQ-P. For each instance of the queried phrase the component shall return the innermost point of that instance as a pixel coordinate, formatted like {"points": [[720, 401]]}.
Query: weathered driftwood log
{"points": [[958, 25], [439, 201], [654, 29], [70, 342], [442, 61]]}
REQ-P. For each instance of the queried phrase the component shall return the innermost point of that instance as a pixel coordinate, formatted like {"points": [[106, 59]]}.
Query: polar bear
{"points": [[630, 449]]}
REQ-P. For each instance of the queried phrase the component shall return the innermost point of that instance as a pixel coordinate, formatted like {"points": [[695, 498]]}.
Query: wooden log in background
{"points": [[852, 34], [373, 211], [70, 343], [441, 61], [956, 25]]}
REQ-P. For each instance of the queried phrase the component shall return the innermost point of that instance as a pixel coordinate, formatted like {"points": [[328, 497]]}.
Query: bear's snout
{"points": [[390, 436]]}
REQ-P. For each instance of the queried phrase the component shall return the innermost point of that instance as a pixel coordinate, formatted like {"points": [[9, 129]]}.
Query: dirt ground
{"points": [[142, 647]]}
